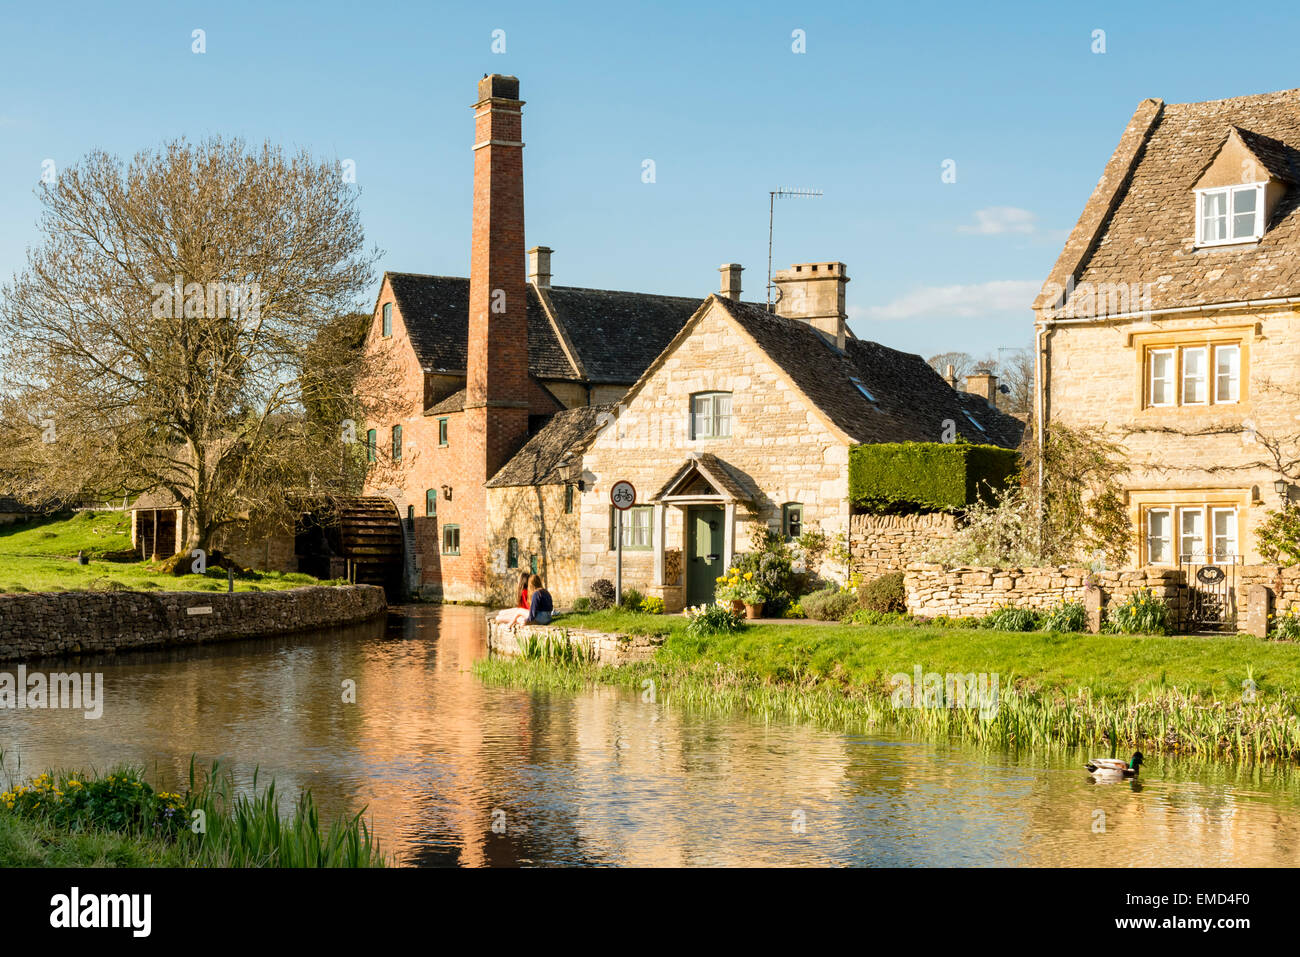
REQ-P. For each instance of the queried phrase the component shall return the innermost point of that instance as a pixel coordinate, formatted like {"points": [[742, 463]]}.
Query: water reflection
{"points": [[456, 773]]}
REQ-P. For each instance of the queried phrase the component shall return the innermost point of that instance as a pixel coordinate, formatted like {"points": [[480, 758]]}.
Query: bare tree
{"points": [[182, 327], [961, 362], [1016, 372]]}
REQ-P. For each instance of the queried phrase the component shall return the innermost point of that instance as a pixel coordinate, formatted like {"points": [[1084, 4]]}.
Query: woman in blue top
{"points": [[540, 607]]}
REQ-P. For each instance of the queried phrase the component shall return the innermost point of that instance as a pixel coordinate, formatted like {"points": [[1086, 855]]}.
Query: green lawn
{"points": [[40, 556], [1109, 666], [95, 533]]}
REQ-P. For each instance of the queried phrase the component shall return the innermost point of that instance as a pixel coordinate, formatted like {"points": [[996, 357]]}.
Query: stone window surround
{"points": [[1145, 343], [1143, 501], [629, 525]]}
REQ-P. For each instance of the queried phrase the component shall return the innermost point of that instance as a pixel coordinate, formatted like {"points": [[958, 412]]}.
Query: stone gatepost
{"points": [[1259, 608], [1092, 603]]}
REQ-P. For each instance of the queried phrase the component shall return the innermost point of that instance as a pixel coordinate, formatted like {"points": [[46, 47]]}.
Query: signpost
{"points": [[622, 496]]}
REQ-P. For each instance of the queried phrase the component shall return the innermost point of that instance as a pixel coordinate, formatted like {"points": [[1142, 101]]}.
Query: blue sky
{"points": [[713, 93]]}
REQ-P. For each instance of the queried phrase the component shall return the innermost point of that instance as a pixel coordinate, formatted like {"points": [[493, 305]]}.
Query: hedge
{"points": [[932, 476]]}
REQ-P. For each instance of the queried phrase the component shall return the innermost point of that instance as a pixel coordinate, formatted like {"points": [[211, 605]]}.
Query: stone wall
{"points": [[534, 515], [603, 647], [39, 625], [889, 543], [933, 590]]}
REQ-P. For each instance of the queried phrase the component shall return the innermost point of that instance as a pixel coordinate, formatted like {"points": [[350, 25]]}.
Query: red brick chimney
{"points": [[496, 396]]}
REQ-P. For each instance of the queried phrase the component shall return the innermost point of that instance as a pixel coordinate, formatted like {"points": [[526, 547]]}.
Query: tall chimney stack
{"points": [[539, 266], [814, 293], [497, 383], [984, 384], [730, 280]]}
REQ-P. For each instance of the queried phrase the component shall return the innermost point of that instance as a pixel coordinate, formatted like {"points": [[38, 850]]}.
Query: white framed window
{"points": [[1159, 527], [1224, 524], [1229, 214], [1227, 373], [1191, 534], [711, 415], [1194, 376], [638, 533], [1163, 364]]}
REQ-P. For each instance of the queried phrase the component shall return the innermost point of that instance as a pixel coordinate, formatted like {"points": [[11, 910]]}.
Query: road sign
{"points": [[623, 495]]}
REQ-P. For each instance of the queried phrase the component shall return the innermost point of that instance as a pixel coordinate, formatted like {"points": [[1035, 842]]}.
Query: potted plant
{"points": [[742, 592]]}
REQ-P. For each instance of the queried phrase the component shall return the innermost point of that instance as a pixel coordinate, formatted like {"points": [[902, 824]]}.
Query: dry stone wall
{"points": [[879, 544], [933, 590], [40, 625]]}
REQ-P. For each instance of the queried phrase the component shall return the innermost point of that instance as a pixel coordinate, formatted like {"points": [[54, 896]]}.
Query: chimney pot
{"points": [[730, 280], [539, 266]]}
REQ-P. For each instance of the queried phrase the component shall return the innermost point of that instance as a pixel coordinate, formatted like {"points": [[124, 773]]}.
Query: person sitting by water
{"points": [[540, 607], [513, 616]]}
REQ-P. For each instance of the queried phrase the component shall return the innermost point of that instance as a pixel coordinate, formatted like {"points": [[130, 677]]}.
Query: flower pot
{"points": [[754, 611], [738, 606]]}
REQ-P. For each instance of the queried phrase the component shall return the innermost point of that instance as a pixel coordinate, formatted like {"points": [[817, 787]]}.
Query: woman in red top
{"points": [[513, 616]]}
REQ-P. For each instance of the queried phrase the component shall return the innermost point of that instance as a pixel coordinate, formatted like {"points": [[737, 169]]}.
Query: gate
{"points": [[1209, 593]]}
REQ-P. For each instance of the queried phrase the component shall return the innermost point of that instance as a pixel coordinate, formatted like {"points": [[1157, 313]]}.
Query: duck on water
{"points": [[1114, 768]]}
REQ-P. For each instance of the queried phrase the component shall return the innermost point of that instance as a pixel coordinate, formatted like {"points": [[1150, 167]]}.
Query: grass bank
{"points": [[76, 819], [1235, 696], [41, 556]]}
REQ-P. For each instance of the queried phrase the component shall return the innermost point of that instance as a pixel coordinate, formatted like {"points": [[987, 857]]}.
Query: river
{"points": [[456, 772]]}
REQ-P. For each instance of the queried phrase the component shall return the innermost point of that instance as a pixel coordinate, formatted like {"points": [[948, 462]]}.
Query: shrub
{"points": [[1065, 616], [829, 604], [652, 605], [602, 594], [1286, 627], [632, 599], [926, 475], [793, 610], [1010, 618], [711, 620], [883, 594], [1141, 613], [1278, 536], [582, 604]]}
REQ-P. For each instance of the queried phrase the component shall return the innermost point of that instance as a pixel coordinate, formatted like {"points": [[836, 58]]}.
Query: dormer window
{"points": [[1230, 214]]}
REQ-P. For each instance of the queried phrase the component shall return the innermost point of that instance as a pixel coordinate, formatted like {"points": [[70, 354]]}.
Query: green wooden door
{"points": [[703, 553]]}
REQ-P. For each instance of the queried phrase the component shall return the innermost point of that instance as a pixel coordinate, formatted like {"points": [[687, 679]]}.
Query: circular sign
{"points": [[623, 495], [1209, 574]]}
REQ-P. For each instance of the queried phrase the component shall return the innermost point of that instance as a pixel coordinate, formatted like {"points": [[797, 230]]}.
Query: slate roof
{"points": [[1139, 226], [554, 454], [613, 335], [452, 403], [616, 335], [912, 401]]}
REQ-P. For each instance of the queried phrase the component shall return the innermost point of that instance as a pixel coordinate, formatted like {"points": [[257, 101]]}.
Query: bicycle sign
{"points": [[622, 495]]}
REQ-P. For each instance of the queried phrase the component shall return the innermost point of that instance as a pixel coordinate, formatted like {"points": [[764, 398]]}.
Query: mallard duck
{"points": [[1115, 768]]}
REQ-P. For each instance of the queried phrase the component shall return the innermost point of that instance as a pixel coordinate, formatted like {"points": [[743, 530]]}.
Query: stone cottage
{"points": [[745, 420], [1169, 320]]}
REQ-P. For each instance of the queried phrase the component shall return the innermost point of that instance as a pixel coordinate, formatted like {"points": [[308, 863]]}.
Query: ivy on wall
{"points": [[926, 476]]}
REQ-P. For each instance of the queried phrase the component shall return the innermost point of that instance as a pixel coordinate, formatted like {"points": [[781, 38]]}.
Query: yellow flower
{"points": [[749, 576]]}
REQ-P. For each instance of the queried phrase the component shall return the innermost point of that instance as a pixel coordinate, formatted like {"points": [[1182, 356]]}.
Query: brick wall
{"points": [[40, 625], [889, 543]]}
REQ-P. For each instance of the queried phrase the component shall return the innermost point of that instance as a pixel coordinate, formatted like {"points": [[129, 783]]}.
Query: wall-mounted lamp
{"points": [[582, 485], [446, 492], [1285, 489]]}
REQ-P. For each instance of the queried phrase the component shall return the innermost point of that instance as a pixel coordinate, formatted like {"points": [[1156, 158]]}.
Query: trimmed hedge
{"points": [[932, 476]]}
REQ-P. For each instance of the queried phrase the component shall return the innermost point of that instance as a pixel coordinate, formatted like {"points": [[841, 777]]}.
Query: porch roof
{"points": [[705, 476]]}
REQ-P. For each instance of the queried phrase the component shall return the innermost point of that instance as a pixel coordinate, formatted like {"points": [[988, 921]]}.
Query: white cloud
{"points": [[997, 220], [956, 302]]}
